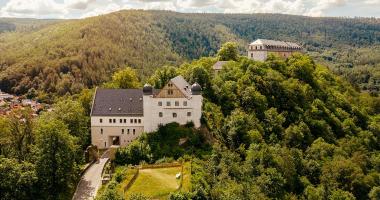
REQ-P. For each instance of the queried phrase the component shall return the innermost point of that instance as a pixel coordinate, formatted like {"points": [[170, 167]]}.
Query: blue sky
{"points": [[86, 8]]}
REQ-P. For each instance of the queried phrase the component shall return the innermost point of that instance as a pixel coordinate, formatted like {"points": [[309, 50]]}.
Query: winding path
{"points": [[91, 180]]}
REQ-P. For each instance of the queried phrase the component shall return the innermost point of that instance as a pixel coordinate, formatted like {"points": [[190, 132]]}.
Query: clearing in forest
{"points": [[158, 183]]}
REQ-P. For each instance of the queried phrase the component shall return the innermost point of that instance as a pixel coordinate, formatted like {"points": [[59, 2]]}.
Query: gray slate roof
{"points": [[181, 83], [219, 65], [118, 102], [276, 43]]}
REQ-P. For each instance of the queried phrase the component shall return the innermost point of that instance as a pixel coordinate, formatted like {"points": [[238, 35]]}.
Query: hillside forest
{"points": [[58, 57], [280, 129]]}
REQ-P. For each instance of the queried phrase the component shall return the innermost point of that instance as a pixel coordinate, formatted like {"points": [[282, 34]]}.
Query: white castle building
{"points": [[260, 49], [119, 116]]}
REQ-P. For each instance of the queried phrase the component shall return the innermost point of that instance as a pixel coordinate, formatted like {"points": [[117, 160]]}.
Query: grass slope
{"points": [[158, 183]]}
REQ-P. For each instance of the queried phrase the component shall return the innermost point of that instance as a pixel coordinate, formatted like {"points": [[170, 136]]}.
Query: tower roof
{"points": [[276, 43], [182, 85]]}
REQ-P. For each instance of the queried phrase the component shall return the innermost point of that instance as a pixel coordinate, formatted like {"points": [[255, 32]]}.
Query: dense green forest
{"points": [[62, 57], [280, 129]]}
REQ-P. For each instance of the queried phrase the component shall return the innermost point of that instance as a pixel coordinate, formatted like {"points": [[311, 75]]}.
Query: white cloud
{"points": [[372, 2], [323, 5], [103, 10], [32, 8], [270, 6], [78, 4], [85, 8]]}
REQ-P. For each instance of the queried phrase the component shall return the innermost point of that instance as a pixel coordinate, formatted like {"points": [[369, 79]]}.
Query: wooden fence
{"points": [[133, 179]]}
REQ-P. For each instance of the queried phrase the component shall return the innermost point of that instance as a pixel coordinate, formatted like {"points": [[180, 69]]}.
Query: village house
{"points": [[261, 48], [5, 96], [9, 102], [119, 116]]}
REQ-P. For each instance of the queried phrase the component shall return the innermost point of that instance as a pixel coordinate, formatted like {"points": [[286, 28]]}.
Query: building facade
{"points": [[119, 116], [260, 49]]}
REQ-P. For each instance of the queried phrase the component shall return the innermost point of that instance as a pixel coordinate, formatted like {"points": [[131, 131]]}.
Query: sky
{"points": [[69, 9]]}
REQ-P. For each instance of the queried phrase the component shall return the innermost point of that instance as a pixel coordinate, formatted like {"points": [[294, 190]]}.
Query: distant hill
{"points": [[68, 55], [24, 25]]}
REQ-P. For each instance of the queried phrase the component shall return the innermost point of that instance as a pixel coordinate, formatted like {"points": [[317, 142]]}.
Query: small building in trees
{"points": [[119, 116], [261, 48], [218, 66]]}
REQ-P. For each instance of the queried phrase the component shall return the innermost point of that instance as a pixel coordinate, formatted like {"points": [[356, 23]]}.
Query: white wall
{"points": [[258, 55], [103, 140], [152, 110], [95, 121]]}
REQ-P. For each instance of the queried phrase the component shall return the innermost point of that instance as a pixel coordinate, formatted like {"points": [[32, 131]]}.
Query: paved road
{"points": [[91, 181]]}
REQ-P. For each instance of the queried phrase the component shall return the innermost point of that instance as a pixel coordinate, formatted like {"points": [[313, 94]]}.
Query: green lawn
{"points": [[156, 183]]}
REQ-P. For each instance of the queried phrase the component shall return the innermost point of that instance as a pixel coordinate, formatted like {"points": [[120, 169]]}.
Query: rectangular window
{"points": [[251, 55], [101, 131], [127, 131], [174, 115], [122, 131], [134, 131], [160, 103], [176, 103], [131, 121], [160, 114], [125, 121], [168, 103], [101, 120], [185, 103], [114, 120], [110, 120], [121, 121], [135, 121], [105, 144], [139, 121], [188, 114]]}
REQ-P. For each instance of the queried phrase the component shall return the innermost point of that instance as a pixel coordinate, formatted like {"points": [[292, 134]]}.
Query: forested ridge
{"points": [[280, 129], [69, 55]]}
